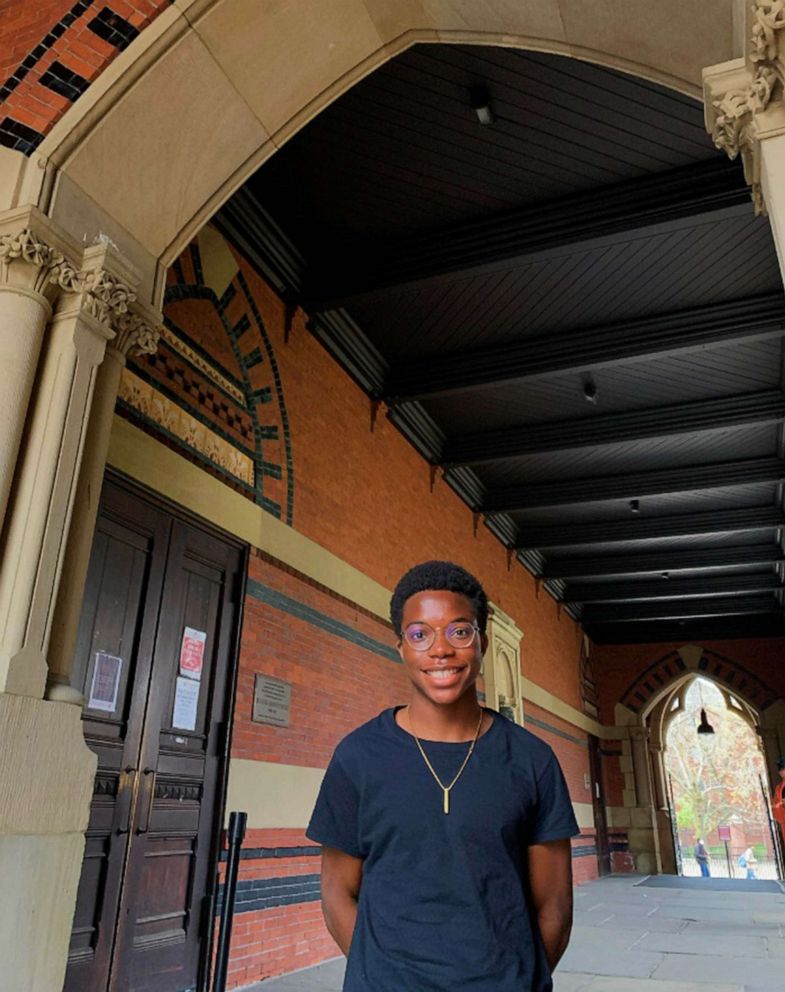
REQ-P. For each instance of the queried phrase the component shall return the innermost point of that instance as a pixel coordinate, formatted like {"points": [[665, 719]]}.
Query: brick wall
{"points": [[50, 52], [240, 365]]}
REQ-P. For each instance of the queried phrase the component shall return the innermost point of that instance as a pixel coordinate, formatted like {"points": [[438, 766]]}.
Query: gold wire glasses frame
{"points": [[459, 634]]}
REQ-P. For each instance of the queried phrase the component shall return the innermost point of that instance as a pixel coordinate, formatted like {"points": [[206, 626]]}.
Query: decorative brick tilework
{"points": [[50, 52]]}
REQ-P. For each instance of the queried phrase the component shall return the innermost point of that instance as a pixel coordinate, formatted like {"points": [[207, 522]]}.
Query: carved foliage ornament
{"points": [[105, 297], [769, 18], [135, 335], [734, 111], [52, 266]]}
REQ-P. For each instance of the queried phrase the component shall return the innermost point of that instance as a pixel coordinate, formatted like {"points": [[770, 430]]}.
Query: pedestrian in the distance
{"points": [[702, 857], [445, 827], [749, 862]]}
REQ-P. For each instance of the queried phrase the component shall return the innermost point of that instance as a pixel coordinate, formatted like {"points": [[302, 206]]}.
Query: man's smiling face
{"points": [[446, 669]]}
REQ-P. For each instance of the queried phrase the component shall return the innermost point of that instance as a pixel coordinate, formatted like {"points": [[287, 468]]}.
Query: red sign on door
{"points": [[192, 653], [723, 833]]}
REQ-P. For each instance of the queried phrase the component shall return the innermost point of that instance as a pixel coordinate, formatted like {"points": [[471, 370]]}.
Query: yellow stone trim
{"points": [[161, 410], [148, 461], [547, 701], [141, 457], [273, 794]]}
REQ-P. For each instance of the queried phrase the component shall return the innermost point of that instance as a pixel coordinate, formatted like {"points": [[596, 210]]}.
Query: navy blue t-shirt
{"points": [[444, 904]]}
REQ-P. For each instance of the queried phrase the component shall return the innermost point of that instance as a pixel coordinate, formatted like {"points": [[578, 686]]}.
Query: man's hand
{"points": [[341, 880], [550, 882]]}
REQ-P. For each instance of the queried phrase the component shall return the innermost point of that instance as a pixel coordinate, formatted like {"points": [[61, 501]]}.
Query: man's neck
{"points": [[454, 723]]}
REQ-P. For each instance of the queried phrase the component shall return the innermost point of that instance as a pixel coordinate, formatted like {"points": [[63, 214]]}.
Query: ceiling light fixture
{"points": [[481, 104], [704, 727], [590, 392], [635, 505]]}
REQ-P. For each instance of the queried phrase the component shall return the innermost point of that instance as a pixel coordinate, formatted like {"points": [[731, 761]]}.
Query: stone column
{"points": [[45, 479], [136, 333], [46, 775], [745, 112], [644, 831], [33, 269]]}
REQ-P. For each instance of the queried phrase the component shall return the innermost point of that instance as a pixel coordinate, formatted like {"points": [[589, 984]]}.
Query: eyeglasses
{"points": [[459, 634]]}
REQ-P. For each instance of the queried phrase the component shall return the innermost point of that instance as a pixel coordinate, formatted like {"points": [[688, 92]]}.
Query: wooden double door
{"points": [[155, 661]]}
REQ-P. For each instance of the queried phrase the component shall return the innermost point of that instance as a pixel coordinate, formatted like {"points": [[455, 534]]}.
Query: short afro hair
{"points": [[436, 576]]}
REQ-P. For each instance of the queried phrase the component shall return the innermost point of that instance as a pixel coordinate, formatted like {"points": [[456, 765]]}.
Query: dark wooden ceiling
{"points": [[482, 280]]}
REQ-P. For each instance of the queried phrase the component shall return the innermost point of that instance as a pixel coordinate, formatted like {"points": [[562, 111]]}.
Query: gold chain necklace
{"points": [[446, 788]]}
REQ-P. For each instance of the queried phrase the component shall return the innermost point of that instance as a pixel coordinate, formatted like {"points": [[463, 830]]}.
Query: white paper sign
{"points": [[186, 702], [106, 682]]}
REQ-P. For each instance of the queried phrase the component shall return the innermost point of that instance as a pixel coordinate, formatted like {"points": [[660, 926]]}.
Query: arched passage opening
{"points": [[716, 782], [690, 788]]}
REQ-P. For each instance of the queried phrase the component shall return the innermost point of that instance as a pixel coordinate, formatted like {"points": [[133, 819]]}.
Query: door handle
{"points": [[145, 825], [125, 792]]}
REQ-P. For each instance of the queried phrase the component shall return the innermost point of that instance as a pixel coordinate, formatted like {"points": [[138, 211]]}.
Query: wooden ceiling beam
{"points": [[576, 593], [587, 348], [675, 610], [653, 204], [691, 478], [641, 528], [661, 561], [689, 629], [594, 430]]}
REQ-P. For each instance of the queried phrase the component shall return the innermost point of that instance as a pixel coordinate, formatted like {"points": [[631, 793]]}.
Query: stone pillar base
{"points": [[46, 782]]}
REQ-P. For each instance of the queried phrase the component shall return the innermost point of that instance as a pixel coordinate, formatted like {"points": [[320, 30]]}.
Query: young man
{"points": [[445, 827]]}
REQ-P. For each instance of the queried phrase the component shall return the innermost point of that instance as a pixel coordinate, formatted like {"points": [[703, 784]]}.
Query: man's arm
{"points": [[550, 883], [341, 880]]}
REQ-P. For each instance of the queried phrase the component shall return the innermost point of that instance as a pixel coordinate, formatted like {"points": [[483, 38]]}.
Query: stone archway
{"points": [[148, 172], [644, 711]]}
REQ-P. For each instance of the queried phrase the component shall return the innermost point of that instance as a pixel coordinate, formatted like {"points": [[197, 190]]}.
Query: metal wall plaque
{"points": [[271, 699]]}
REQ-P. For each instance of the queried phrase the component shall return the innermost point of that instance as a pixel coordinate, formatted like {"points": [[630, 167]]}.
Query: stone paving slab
{"points": [[645, 985], [598, 960], [628, 939], [712, 969], [694, 942]]}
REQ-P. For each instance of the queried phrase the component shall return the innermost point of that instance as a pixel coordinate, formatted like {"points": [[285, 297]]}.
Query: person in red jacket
{"points": [[778, 799]]}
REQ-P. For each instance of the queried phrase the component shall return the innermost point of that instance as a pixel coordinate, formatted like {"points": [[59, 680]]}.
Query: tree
{"points": [[715, 777]]}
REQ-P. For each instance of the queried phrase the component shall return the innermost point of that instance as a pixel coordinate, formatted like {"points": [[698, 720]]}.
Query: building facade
{"points": [[204, 511]]}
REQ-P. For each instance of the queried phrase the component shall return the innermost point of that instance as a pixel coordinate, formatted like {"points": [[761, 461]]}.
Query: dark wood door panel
{"points": [[151, 843]]}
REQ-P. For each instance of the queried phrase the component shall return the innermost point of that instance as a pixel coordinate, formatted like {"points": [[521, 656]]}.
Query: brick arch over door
{"points": [[648, 686], [172, 125]]}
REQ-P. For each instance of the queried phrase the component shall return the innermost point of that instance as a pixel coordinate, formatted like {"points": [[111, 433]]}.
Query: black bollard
{"points": [[235, 837]]}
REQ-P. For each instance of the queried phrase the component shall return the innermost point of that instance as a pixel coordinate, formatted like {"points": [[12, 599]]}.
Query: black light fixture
{"points": [[590, 392], [704, 727], [481, 104], [635, 505]]}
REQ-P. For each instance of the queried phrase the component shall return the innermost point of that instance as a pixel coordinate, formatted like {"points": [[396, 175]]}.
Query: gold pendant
{"points": [[446, 800]]}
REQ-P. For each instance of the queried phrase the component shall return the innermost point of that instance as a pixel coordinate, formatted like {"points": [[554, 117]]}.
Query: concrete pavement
{"points": [[631, 937]]}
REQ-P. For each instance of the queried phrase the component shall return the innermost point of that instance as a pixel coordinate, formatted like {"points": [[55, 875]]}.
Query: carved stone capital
{"points": [[744, 98], [106, 297], [31, 263], [136, 334]]}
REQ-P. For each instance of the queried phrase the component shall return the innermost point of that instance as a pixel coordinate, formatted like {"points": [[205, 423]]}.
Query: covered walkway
{"points": [[672, 936]]}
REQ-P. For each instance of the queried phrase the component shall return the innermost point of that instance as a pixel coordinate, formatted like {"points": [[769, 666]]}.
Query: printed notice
{"points": [[106, 682], [192, 653], [186, 703]]}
